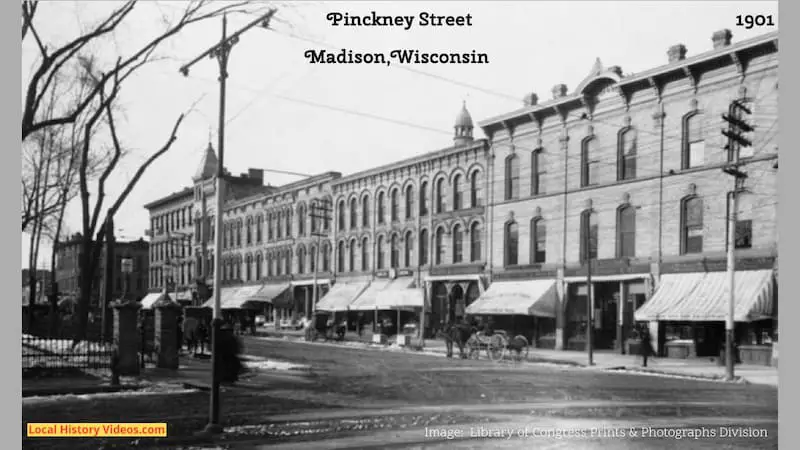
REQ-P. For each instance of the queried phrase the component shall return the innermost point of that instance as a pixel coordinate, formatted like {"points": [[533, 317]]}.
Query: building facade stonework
{"points": [[623, 171]]}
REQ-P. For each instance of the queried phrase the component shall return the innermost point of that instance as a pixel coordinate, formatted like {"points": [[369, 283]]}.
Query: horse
{"points": [[517, 345], [458, 334], [195, 333]]}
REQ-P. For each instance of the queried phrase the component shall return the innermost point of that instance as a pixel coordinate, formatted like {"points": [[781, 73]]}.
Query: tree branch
{"points": [[173, 136]]}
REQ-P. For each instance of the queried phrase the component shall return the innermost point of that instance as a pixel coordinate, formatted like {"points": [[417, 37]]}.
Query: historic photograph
{"points": [[412, 225]]}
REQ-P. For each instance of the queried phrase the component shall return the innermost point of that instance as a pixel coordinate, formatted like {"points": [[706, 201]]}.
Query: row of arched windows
{"points": [[348, 212], [692, 156], [172, 220], [691, 233]]}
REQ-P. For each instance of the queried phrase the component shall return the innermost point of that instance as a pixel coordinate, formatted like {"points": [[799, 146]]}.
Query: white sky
{"points": [[531, 46]]}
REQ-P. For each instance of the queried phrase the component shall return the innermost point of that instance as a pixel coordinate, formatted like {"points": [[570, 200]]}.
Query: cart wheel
{"points": [[523, 353], [496, 347], [474, 347]]}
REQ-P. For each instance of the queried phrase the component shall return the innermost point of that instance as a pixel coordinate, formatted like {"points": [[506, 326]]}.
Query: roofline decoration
{"points": [[647, 78], [477, 143], [185, 192]]}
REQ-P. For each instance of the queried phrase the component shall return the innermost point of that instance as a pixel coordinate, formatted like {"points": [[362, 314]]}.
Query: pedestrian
{"points": [[646, 346]]}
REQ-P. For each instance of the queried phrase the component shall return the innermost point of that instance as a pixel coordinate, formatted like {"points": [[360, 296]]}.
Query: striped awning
{"points": [[367, 300], [341, 295], [229, 297], [268, 292], [400, 295], [703, 297], [526, 298]]}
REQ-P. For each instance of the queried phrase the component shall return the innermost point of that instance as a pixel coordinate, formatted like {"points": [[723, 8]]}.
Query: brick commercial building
{"points": [[625, 169], [636, 162], [68, 270]]}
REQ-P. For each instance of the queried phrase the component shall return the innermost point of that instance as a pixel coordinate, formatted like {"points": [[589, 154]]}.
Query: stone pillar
{"points": [[126, 336], [166, 333]]}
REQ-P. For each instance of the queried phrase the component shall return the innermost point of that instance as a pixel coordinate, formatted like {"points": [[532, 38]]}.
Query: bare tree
{"points": [[93, 114], [55, 58]]}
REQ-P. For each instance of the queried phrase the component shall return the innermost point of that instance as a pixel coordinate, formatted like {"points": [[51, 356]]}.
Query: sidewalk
{"points": [[603, 360]]}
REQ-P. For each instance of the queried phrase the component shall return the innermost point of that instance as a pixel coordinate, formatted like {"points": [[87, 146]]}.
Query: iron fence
{"points": [[47, 353]]}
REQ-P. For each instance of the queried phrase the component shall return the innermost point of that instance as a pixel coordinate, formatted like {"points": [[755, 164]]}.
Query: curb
{"points": [[647, 371], [104, 389]]}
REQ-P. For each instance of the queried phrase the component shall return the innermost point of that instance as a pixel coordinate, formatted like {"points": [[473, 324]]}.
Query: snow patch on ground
{"points": [[273, 365], [144, 389], [653, 373]]}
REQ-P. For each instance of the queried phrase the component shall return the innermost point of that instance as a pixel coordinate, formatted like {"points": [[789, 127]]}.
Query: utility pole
{"points": [[220, 52], [108, 276], [589, 290], [320, 210], [736, 141]]}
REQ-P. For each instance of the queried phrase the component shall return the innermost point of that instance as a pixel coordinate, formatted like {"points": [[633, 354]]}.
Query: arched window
{"points": [[588, 162], [626, 155], [353, 214], [270, 264], [341, 215], [476, 189], [475, 239], [409, 248], [326, 221], [340, 257], [288, 261], [365, 212], [249, 231], [423, 247], [512, 244], [423, 199], [692, 225], [381, 208], [395, 255], [440, 196], [537, 172], [458, 194], [301, 220], [270, 230], [395, 206], [312, 259], [380, 252], [458, 244], [512, 177], [301, 260], [365, 254], [289, 223], [259, 228], [409, 201], [326, 257], [259, 264], [589, 234], [626, 232], [439, 246], [694, 145], [279, 225], [352, 256], [247, 267], [538, 241]]}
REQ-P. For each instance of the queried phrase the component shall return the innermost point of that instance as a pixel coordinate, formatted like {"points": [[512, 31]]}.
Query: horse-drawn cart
{"points": [[496, 344]]}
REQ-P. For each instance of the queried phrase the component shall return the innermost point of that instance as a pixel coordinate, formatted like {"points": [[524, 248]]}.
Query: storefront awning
{"points": [[341, 295], [150, 299], [400, 295], [703, 297], [227, 299], [267, 293], [528, 298], [367, 300], [607, 278]]}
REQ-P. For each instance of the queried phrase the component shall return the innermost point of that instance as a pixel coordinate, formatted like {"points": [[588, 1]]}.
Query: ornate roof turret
{"points": [[208, 165], [463, 127]]}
